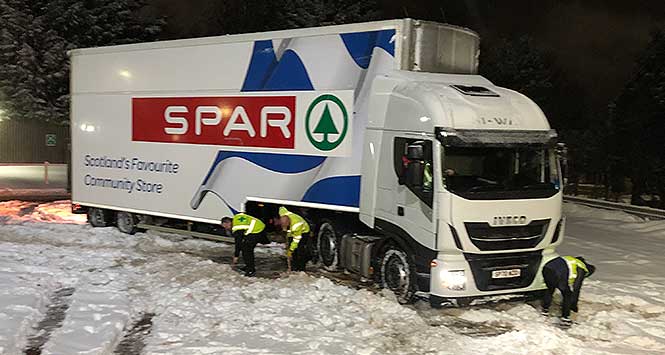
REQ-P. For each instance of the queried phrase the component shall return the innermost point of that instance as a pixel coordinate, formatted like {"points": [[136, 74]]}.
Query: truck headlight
{"points": [[454, 280]]}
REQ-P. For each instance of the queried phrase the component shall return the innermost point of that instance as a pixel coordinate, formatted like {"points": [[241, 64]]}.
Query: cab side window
{"points": [[413, 166]]}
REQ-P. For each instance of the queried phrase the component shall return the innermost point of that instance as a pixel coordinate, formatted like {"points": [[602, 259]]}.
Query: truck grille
{"points": [[486, 237], [483, 265]]}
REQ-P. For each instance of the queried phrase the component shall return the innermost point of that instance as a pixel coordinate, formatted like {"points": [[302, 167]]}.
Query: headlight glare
{"points": [[454, 280]]}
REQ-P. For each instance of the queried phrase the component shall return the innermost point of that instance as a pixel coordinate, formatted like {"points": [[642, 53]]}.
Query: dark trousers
{"points": [[557, 280], [301, 255], [246, 245]]}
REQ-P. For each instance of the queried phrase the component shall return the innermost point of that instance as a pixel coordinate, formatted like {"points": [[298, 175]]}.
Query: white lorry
{"points": [[414, 171]]}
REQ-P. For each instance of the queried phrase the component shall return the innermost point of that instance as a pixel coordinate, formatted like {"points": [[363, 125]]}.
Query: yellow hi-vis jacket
{"points": [[297, 227], [573, 264], [249, 224]]}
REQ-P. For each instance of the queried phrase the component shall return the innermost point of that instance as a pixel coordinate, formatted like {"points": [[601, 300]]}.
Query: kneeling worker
{"points": [[248, 231], [297, 238], [566, 274]]}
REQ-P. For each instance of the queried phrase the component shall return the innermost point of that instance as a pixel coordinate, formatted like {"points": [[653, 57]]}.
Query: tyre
{"points": [[127, 222], [438, 302], [98, 217], [462, 302], [328, 241], [398, 274]]}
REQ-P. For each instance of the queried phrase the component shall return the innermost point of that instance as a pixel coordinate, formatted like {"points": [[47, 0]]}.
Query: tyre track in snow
{"points": [[53, 319], [133, 340]]}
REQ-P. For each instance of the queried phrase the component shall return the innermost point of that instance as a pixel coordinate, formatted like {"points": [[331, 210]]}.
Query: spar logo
{"points": [[326, 122], [248, 121]]}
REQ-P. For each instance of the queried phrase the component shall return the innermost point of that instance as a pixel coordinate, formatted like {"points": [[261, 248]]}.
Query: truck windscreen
{"points": [[500, 172]]}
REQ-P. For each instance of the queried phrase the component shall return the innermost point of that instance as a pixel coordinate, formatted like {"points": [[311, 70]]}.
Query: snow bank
{"points": [[581, 211]]}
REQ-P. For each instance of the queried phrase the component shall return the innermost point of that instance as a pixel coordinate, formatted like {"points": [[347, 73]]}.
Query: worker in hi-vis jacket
{"points": [[248, 231], [297, 238], [565, 273]]}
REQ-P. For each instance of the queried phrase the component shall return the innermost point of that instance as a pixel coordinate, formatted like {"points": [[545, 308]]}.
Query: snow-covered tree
{"points": [[640, 123], [308, 13], [24, 47], [35, 36], [243, 16]]}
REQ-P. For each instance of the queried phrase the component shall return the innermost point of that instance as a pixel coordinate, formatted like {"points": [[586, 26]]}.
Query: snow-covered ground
{"points": [[66, 288]]}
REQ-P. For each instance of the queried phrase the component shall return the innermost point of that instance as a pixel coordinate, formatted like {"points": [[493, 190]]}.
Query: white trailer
{"points": [[415, 171]]}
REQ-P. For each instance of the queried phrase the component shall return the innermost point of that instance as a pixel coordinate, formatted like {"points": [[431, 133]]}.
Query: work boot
{"points": [[566, 322], [250, 273]]}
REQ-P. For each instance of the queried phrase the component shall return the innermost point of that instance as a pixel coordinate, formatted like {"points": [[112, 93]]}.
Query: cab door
{"points": [[414, 171]]}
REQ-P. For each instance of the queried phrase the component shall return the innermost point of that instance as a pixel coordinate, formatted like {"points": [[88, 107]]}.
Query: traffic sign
{"points": [[51, 140]]}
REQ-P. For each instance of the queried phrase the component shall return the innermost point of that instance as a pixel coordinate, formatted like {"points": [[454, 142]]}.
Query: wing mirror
{"points": [[415, 152], [415, 169], [562, 155]]}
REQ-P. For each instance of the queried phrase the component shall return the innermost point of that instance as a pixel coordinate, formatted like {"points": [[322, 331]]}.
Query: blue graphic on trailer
{"points": [[337, 190], [265, 73], [279, 163], [361, 45], [286, 71]]}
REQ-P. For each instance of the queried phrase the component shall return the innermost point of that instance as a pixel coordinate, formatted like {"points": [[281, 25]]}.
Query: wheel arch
{"points": [[401, 238]]}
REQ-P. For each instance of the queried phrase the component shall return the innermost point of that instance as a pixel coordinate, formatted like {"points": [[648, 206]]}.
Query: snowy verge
{"points": [[581, 211]]}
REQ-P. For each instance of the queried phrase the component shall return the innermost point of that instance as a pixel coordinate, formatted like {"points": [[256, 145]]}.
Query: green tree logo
{"points": [[326, 123]]}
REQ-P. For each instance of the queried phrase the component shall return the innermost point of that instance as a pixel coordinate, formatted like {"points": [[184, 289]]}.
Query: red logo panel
{"points": [[252, 121]]}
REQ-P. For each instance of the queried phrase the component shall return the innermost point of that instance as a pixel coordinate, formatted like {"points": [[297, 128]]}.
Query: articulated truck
{"points": [[414, 171]]}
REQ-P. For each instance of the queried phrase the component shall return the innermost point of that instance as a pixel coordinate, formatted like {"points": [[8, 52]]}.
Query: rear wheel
{"points": [[398, 274], [328, 244], [127, 222], [98, 217]]}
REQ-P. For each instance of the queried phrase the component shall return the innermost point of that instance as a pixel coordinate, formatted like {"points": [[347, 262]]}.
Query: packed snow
{"points": [[66, 288]]}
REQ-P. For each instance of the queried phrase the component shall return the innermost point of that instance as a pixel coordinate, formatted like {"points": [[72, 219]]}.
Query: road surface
{"points": [[624, 247], [66, 288], [32, 177], [28, 183]]}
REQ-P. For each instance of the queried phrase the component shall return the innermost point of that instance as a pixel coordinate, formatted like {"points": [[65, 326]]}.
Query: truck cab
{"points": [[464, 178]]}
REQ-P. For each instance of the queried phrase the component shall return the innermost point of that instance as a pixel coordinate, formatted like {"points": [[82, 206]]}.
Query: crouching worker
{"points": [[248, 231], [566, 274], [297, 239]]}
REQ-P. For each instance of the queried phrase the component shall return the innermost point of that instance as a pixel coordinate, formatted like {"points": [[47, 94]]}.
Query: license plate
{"points": [[506, 274]]}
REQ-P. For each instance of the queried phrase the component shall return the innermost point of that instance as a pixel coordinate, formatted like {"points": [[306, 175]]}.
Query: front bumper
{"points": [[445, 277]]}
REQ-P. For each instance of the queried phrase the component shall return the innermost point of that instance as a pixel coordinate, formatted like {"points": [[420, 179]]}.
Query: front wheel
{"points": [[398, 274]]}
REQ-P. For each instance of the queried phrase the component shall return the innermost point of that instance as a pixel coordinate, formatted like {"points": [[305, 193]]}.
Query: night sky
{"points": [[595, 42]]}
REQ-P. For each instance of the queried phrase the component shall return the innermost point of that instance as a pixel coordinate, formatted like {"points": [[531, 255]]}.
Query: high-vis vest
{"points": [[249, 224], [573, 264], [427, 177], [297, 227]]}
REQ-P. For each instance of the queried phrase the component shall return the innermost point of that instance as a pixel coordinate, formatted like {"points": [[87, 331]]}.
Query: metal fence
{"points": [[33, 142]]}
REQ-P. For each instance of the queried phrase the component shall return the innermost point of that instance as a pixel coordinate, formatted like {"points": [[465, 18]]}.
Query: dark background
{"points": [[595, 67], [594, 41]]}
